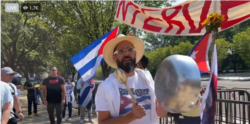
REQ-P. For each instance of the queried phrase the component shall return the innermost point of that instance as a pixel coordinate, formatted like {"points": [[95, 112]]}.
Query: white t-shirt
{"points": [[69, 88], [140, 90], [5, 95], [12, 92]]}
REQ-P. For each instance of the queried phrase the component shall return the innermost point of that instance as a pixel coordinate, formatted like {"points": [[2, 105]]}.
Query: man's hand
{"points": [[138, 111], [63, 102], [159, 110], [20, 115], [45, 102]]}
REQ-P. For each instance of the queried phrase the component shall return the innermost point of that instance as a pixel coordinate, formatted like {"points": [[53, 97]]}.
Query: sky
{"points": [[177, 2]]}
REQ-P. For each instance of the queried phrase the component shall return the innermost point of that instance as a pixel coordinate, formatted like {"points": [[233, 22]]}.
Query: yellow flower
{"points": [[205, 22], [213, 18]]}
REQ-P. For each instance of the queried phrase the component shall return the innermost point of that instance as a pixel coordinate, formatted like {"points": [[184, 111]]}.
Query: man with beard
{"points": [[113, 102]]}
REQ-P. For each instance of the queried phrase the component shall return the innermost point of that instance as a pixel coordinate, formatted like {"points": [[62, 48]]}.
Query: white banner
{"points": [[184, 19]]}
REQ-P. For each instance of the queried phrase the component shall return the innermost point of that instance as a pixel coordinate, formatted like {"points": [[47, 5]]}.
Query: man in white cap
{"points": [[6, 76], [113, 102]]}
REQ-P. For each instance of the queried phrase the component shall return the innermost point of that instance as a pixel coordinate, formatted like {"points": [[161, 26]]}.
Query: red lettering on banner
{"points": [[225, 6], [124, 9], [169, 20], [143, 10], [151, 27], [203, 16], [134, 16]]}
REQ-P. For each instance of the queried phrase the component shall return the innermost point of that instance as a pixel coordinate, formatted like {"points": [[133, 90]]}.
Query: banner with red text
{"points": [[184, 19]]}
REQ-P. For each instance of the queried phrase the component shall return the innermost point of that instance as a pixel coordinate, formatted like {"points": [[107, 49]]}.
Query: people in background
{"points": [[143, 64], [32, 97], [17, 82], [38, 91], [7, 75], [70, 98], [6, 100], [86, 88], [54, 86]]}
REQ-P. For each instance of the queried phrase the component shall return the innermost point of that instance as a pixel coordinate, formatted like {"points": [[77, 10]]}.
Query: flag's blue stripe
{"points": [[124, 111], [81, 55], [203, 72], [88, 80], [189, 54], [143, 98], [84, 95], [88, 66], [102, 60], [89, 104]]}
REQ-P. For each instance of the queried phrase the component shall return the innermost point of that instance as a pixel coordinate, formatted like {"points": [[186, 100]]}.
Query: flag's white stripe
{"points": [[208, 45], [215, 61], [90, 73], [91, 55]]}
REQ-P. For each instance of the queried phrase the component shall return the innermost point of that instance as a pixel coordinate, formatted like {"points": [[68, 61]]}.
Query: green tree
{"points": [[156, 57], [22, 34], [223, 48], [241, 44], [183, 48]]}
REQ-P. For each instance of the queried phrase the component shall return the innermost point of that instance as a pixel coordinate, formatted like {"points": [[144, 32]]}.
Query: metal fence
{"points": [[232, 107], [232, 112]]}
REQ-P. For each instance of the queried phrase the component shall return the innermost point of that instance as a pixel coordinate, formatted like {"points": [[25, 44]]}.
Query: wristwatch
{"points": [[19, 112]]}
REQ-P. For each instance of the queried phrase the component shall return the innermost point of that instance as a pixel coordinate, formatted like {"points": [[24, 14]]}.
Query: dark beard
{"points": [[128, 67]]}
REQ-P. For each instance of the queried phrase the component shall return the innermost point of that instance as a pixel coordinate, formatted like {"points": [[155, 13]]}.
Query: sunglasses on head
{"points": [[53, 70]]}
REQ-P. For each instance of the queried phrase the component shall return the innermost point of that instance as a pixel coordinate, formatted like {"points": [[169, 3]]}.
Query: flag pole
{"points": [[212, 45]]}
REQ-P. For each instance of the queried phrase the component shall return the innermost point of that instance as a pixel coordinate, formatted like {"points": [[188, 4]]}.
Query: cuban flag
{"points": [[200, 53], [88, 60], [208, 104]]}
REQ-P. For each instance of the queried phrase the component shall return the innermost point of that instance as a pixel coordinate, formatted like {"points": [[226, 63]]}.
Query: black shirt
{"points": [[16, 81], [54, 90], [31, 92]]}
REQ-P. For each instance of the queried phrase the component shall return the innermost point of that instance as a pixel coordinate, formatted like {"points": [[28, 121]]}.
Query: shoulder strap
{"points": [[13, 88]]}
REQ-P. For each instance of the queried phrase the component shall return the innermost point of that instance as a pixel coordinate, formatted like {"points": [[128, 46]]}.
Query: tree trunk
{"points": [[105, 70], [234, 63]]}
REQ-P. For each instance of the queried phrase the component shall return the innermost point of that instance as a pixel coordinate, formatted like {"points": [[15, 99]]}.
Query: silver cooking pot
{"points": [[178, 84]]}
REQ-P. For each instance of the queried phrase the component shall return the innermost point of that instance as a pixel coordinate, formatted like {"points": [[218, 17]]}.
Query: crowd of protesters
{"points": [[54, 92]]}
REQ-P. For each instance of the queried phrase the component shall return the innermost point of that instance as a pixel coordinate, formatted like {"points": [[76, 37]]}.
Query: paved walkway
{"points": [[43, 115]]}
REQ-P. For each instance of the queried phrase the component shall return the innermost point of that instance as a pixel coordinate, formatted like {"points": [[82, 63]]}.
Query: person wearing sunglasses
{"points": [[7, 75], [70, 98], [114, 104], [53, 88]]}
